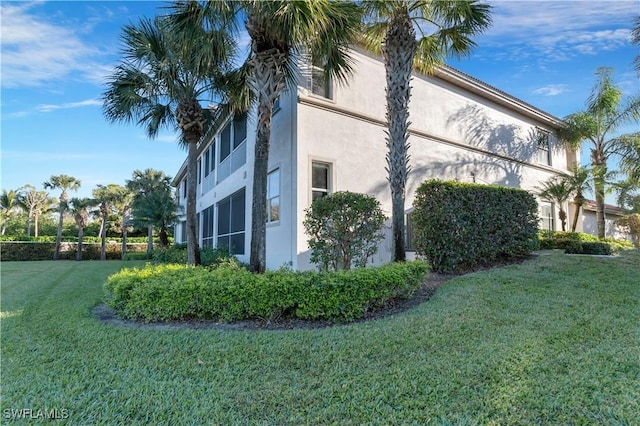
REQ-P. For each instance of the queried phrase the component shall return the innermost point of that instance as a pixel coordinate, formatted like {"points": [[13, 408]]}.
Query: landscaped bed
{"points": [[554, 340]]}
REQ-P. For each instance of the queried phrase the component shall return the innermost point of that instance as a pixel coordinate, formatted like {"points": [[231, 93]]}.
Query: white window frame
{"points": [[329, 189], [543, 147], [547, 223], [273, 197]]}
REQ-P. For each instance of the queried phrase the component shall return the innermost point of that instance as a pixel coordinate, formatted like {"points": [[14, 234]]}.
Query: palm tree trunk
{"points": [[600, 216], [149, 241], [193, 250], [576, 215], [56, 252], [563, 218], [398, 50], [125, 216], [103, 238], [267, 82], [80, 238]]}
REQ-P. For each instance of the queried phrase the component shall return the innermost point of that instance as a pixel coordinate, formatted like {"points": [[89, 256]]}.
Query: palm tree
{"points": [[105, 197], [9, 201], [64, 183], [159, 83], [446, 29], [123, 198], [35, 203], [605, 113], [79, 208], [557, 190], [143, 185], [158, 209], [282, 33], [579, 180]]}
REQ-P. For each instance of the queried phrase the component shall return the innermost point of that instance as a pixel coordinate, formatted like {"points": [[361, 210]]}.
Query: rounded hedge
{"points": [[229, 292]]}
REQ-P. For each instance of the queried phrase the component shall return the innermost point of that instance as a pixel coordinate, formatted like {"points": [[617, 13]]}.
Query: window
{"points": [[233, 149], [320, 180], [544, 144], [546, 216], [273, 196], [319, 83], [206, 218], [199, 171], [184, 189], [183, 231], [231, 218], [408, 229]]}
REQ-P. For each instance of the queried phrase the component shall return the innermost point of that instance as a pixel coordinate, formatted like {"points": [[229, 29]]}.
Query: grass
{"points": [[555, 340]]}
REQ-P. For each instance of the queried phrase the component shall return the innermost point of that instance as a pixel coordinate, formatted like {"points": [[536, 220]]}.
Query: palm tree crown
{"points": [[557, 190]]}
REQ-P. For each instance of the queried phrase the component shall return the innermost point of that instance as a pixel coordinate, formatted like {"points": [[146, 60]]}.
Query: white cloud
{"points": [[558, 30], [552, 90], [69, 105], [35, 51]]}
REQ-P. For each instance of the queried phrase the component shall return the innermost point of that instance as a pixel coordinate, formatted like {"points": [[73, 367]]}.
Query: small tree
{"points": [[557, 190], [80, 208], [345, 230]]}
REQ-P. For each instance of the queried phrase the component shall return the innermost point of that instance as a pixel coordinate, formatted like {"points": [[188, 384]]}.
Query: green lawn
{"points": [[555, 340]]}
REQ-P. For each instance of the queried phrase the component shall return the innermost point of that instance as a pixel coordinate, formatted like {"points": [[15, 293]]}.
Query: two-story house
{"points": [[328, 137]]}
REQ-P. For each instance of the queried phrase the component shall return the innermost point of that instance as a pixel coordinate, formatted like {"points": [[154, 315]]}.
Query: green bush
{"points": [[550, 240], [177, 253], [25, 250], [459, 226], [230, 292], [344, 230], [590, 247]]}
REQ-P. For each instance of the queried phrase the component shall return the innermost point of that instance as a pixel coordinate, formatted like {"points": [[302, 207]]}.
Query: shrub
{"points": [[345, 230], [567, 240], [177, 253], [598, 247], [632, 223], [459, 226], [230, 292]]}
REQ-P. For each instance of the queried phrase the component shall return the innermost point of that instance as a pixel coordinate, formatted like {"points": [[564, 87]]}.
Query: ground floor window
{"points": [[207, 226], [320, 180], [273, 196], [546, 216], [231, 223], [408, 229]]}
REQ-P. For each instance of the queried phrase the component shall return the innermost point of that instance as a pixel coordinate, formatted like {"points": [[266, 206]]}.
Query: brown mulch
{"points": [[394, 306]]}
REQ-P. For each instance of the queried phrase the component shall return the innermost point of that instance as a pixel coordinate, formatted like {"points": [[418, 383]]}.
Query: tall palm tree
{"points": [[446, 29], [158, 209], [105, 196], [160, 82], [282, 33], [122, 200], [35, 203], [80, 208], [143, 185], [605, 113], [9, 201], [63, 182], [579, 180], [557, 190]]}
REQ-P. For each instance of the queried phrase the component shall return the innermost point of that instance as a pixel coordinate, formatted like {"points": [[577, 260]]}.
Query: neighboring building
{"points": [[611, 215], [327, 137]]}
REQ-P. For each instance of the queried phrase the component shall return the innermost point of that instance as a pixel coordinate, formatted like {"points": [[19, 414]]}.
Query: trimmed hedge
{"points": [[230, 292], [23, 251], [460, 226], [86, 239], [563, 240], [597, 247]]}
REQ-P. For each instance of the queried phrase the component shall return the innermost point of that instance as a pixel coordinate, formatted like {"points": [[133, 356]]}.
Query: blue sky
{"points": [[55, 56]]}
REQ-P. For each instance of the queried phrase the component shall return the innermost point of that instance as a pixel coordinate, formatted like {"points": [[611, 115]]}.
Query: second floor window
{"points": [[319, 83], [273, 196], [543, 139], [320, 180]]}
